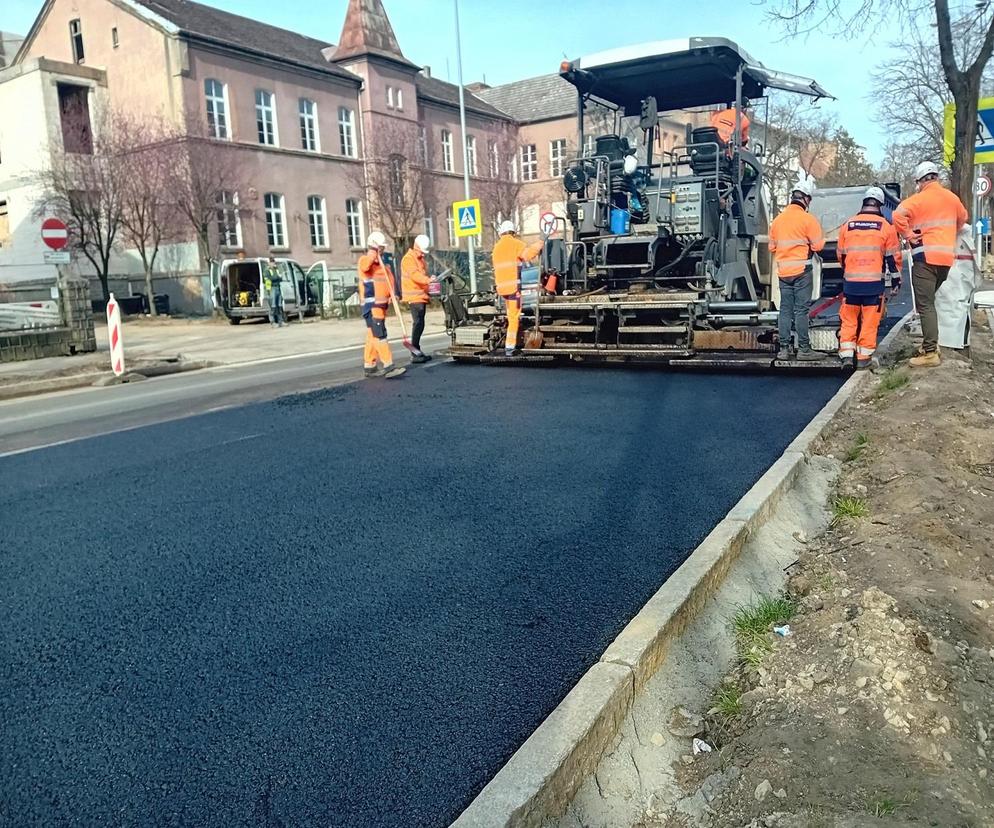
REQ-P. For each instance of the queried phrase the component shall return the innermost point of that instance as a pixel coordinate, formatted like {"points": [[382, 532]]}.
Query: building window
{"points": [[450, 226], [74, 112], [589, 146], [493, 154], [429, 229], [390, 100], [529, 163], [309, 138], [422, 146], [76, 38], [399, 97], [353, 221], [557, 157], [229, 225], [471, 154], [446, 151], [265, 117], [318, 221], [396, 170], [346, 131], [275, 220], [113, 37], [216, 95]]}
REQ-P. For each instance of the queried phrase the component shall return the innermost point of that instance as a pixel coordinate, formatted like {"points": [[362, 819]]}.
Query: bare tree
{"points": [[396, 180], [205, 185], [85, 189], [963, 73], [148, 153], [500, 189], [798, 141]]}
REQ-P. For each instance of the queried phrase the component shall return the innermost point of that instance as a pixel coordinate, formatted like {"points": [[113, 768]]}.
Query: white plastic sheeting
{"points": [[954, 300]]}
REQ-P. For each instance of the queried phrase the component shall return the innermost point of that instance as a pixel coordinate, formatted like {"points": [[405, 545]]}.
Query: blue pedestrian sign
{"points": [[467, 218]]}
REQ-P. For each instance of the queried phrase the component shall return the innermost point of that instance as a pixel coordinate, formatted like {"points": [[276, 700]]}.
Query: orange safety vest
{"points": [[794, 235], [414, 277], [931, 219], [375, 279], [724, 122], [866, 241], [509, 254]]}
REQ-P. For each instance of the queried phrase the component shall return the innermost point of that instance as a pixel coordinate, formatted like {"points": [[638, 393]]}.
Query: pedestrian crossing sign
{"points": [[983, 132], [466, 217]]}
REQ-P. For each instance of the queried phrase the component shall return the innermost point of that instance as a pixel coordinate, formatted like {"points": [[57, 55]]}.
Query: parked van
{"points": [[238, 289]]}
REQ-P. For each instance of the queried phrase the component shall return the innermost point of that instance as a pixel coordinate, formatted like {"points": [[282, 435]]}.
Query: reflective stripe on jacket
{"points": [[414, 277], [374, 286], [509, 254], [724, 122], [931, 220], [794, 235], [867, 242]]}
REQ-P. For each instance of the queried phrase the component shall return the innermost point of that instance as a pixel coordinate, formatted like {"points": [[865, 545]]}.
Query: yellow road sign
{"points": [[984, 134], [467, 217]]}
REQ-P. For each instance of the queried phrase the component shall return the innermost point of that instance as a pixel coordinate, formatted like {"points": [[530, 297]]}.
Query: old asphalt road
{"points": [[343, 607]]}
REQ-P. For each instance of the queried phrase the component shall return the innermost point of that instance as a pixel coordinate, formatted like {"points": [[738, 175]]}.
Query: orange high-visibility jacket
{"points": [[724, 122], [414, 277], [931, 219], [374, 286], [509, 253], [866, 241], [794, 235]]}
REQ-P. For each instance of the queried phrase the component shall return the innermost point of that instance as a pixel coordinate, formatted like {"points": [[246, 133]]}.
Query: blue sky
{"points": [[527, 38]]}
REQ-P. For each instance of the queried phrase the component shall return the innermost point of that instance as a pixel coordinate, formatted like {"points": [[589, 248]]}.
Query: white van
{"points": [[238, 291]]}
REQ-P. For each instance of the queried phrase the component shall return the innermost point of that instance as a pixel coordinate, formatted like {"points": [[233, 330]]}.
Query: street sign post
{"points": [[982, 186], [54, 233], [467, 217], [984, 132], [547, 223], [56, 257]]}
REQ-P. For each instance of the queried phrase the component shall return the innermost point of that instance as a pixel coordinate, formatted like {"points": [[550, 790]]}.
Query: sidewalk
{"points": [[158, 346]]}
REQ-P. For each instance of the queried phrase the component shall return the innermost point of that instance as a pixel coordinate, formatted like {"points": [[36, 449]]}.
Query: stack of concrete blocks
{"points": [[75, 335]]}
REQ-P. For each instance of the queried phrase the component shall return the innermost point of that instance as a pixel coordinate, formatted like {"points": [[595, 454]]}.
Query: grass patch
{"points": [[893, 379], [849, 508], [886, 806], [858, 447], [752, 625], [728, 701]]}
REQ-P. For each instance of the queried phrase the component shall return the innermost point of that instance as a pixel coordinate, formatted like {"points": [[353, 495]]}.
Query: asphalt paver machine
{"points": [[665, 254]]}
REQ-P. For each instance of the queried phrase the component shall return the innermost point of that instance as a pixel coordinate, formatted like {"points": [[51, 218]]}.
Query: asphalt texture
{"points": [[348, 607]]}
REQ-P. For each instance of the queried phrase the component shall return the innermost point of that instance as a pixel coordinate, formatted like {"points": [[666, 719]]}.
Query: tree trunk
{"points": [[104, 286], [961, 175], [150, 291]]}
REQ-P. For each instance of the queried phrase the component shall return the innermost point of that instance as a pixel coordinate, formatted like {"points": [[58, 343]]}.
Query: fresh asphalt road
{"points": [[344, 607]]}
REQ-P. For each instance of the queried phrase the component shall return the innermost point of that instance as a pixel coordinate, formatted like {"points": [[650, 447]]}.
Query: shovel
{"points": [[534, 338]]}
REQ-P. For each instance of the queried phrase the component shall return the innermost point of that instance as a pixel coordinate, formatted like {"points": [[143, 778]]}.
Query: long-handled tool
{"points": [[403, 328]]}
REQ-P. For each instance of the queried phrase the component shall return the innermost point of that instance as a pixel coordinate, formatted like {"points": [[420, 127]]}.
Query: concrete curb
{"points": [[543, 775], [95, 378]]}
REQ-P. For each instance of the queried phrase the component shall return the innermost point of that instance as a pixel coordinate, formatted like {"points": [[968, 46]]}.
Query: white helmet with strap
{"points": [[376, 239], [806, 186], [876, 193], [422, 243], [925, 169], [506, 227]]}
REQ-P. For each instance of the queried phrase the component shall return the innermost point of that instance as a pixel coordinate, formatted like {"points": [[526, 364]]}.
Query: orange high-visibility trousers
{"points": [[858, 336], [376, 343], [513, 304]]}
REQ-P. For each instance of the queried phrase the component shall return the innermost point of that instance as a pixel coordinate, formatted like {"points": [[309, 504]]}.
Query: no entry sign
{"points": [[54, 233]]}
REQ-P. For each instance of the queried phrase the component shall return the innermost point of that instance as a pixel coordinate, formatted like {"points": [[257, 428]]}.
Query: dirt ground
{"points": [[878, 707]]}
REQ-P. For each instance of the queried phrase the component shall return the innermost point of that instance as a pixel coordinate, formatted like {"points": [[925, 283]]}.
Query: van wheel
{"points": [[234, 320]]}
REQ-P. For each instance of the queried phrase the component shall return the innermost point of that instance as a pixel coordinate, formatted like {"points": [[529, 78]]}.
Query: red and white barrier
{"points": [[114, 335]]}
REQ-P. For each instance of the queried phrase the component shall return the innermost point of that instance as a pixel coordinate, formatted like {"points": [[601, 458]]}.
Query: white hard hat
{"points": [[376, 239], [876, 193], [924, 169], [422, 243], [805, 186], [630, 164], [506, 227]]}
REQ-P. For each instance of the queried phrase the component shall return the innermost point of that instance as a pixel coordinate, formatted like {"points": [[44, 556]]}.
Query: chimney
{"points": [[476, 86], [426, 71]]}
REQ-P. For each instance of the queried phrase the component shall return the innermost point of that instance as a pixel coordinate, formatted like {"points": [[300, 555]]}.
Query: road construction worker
{"points": [[510, 253], [867, 249], [273, 282], [375, 286], [794, 235], [930, 220], [724, 121], [414, 290]]}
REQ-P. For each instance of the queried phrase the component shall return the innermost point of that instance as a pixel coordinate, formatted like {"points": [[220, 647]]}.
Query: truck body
{"points": [[239, 290]]}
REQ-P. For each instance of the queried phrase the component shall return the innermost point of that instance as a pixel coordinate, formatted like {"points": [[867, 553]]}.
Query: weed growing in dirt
{"points": [[886, 806], [893, 379], [849, 508], [858, 447], [752, 626], [728, 701]]}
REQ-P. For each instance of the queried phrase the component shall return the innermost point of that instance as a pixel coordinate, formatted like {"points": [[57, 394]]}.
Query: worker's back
{"points": [[937, 215], [794, 235]]}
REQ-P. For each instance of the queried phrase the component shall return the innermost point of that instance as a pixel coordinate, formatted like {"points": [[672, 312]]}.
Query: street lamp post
{"points": [[465, 154]]}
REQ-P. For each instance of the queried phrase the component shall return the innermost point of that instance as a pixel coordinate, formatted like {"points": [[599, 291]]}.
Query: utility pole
{"points": [[465, 153]]}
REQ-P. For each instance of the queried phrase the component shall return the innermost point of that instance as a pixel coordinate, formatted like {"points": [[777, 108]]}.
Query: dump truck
{"points": [[665, 255]]}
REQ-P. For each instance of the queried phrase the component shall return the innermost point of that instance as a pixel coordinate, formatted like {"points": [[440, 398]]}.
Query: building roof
{"points": [[367, 31], [535, 99], [9, 44], [224, 28], [439, 91]]}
